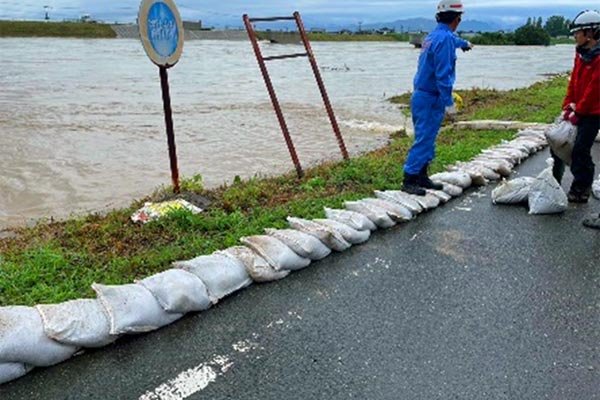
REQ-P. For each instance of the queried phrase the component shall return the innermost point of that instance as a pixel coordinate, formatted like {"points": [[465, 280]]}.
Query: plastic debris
{"points": [[154, 211]]}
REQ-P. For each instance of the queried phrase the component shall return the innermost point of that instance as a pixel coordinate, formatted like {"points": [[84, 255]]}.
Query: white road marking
{"points": [[191, 381]]}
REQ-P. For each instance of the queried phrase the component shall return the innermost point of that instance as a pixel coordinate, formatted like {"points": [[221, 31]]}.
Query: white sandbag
{"points": [[396, 211], [351, 218], [22, 339], [443, 196], [596, 188], [79, 323], [277, 254], [132, 309], [501, 167], [398, 197], [301, 243], [452, 190], [350, 234], [456, 178], [561, 137], [178, 291], [428, 202], [257, 267], [546, 195], [477, 174], [11, 371], [222, 275], [513, 192], [378, 215], [330, 237]]}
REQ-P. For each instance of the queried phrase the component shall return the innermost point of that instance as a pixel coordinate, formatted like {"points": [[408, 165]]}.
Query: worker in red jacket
{"points": [[582, 105]]}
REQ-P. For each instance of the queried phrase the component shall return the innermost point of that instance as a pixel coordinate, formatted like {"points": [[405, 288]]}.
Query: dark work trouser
{"points": [[582, 166]]}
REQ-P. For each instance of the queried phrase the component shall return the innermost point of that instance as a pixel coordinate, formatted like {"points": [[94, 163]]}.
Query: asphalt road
{"points": [[471, 301]]}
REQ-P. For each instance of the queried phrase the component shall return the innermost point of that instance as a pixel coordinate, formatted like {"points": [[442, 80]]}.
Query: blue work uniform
{"points": [[433, 84]]}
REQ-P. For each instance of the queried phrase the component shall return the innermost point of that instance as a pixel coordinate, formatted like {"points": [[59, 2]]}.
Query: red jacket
{"points": [[584, 87]]}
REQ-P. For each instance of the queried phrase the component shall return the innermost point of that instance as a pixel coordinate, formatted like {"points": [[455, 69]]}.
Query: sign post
{"points": [[161, 32]]}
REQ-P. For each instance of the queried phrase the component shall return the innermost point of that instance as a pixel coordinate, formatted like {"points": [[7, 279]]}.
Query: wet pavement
{"points": [[470, 301]]}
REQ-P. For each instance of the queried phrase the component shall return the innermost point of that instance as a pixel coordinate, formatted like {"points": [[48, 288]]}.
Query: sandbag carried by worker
{"points": [[561, 137], [513, 192], [546, 195]]}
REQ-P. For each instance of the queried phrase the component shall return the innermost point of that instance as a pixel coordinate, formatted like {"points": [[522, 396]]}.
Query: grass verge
{"points": [[55, 29], [541, 102], [54, 262]]}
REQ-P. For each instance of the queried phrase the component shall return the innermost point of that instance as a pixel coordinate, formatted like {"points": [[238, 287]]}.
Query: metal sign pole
{"points": [[162, 35], [164, 83]]}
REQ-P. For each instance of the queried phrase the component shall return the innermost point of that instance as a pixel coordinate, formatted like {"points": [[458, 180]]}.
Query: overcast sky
{"points": [[228, 12]]}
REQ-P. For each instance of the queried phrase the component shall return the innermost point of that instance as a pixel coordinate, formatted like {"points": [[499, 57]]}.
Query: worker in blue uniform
{"points": [[432, 97]]}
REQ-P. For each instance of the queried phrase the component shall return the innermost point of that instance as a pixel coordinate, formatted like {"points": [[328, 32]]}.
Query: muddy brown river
{"points": [[82, 129]]}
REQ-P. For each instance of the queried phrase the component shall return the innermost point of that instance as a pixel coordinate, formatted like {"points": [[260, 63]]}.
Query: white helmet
{"points": [[450, 6], [586, 20]]}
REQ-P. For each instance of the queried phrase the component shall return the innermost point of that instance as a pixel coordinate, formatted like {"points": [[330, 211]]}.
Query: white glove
{"points": [[451, 110]]}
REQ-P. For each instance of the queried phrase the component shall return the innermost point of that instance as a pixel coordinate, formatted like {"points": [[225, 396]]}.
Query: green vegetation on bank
{"points": [[540, 102], [337, 37], [534, 32], [53, 262], [345, 37], [55, 29]]}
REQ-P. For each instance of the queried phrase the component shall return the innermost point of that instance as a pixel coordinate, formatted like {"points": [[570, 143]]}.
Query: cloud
{"points": [[218, 12]]}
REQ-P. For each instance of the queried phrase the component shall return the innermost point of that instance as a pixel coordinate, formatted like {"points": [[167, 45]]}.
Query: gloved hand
{"points": [[572, 118], [451, 111], [468, 48], [568, 110]]}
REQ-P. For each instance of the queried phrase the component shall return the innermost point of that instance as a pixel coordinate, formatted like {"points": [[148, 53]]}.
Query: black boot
{"points": [[411, 185], [592, 222], [427, 183], [577, 195]]}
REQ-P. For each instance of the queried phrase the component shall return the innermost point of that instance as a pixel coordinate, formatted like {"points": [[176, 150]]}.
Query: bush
{"points": [[531, 35]]}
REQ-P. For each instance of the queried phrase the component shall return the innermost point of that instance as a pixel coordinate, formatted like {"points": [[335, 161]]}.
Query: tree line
{"points": [[534, 32]]}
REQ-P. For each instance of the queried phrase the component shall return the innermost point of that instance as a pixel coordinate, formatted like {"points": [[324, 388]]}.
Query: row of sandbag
{"points": [[48, 334]]}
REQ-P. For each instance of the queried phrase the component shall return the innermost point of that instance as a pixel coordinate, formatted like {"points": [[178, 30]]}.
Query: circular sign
{"points": [[161, 31]]}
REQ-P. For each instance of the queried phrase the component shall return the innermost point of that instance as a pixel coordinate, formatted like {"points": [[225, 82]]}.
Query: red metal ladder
{"points": [[313, 62]]}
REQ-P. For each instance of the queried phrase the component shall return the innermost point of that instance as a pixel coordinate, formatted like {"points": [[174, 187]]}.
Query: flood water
{"points": [[82, 128]]}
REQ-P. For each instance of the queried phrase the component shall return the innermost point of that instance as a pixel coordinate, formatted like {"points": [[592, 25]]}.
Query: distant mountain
{"points": [[427, 25]]}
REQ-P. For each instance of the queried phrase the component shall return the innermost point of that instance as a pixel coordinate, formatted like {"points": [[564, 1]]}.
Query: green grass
{"points": [[540, 102], [53, 262], [330, 37], [55, 29], [59, 261]]}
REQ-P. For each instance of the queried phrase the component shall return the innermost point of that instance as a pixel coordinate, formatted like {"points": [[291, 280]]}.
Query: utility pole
{"points": [[47, 12]]}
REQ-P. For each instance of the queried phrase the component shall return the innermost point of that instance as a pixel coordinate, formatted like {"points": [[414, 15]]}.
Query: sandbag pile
{"points": [[48, 334], [543, 194]]}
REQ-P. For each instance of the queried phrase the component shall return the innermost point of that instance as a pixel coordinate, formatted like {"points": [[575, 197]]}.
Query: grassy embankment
{"points": [[539, 103], [329, 37], [55, 29], [54, 262], [335, 37]]}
